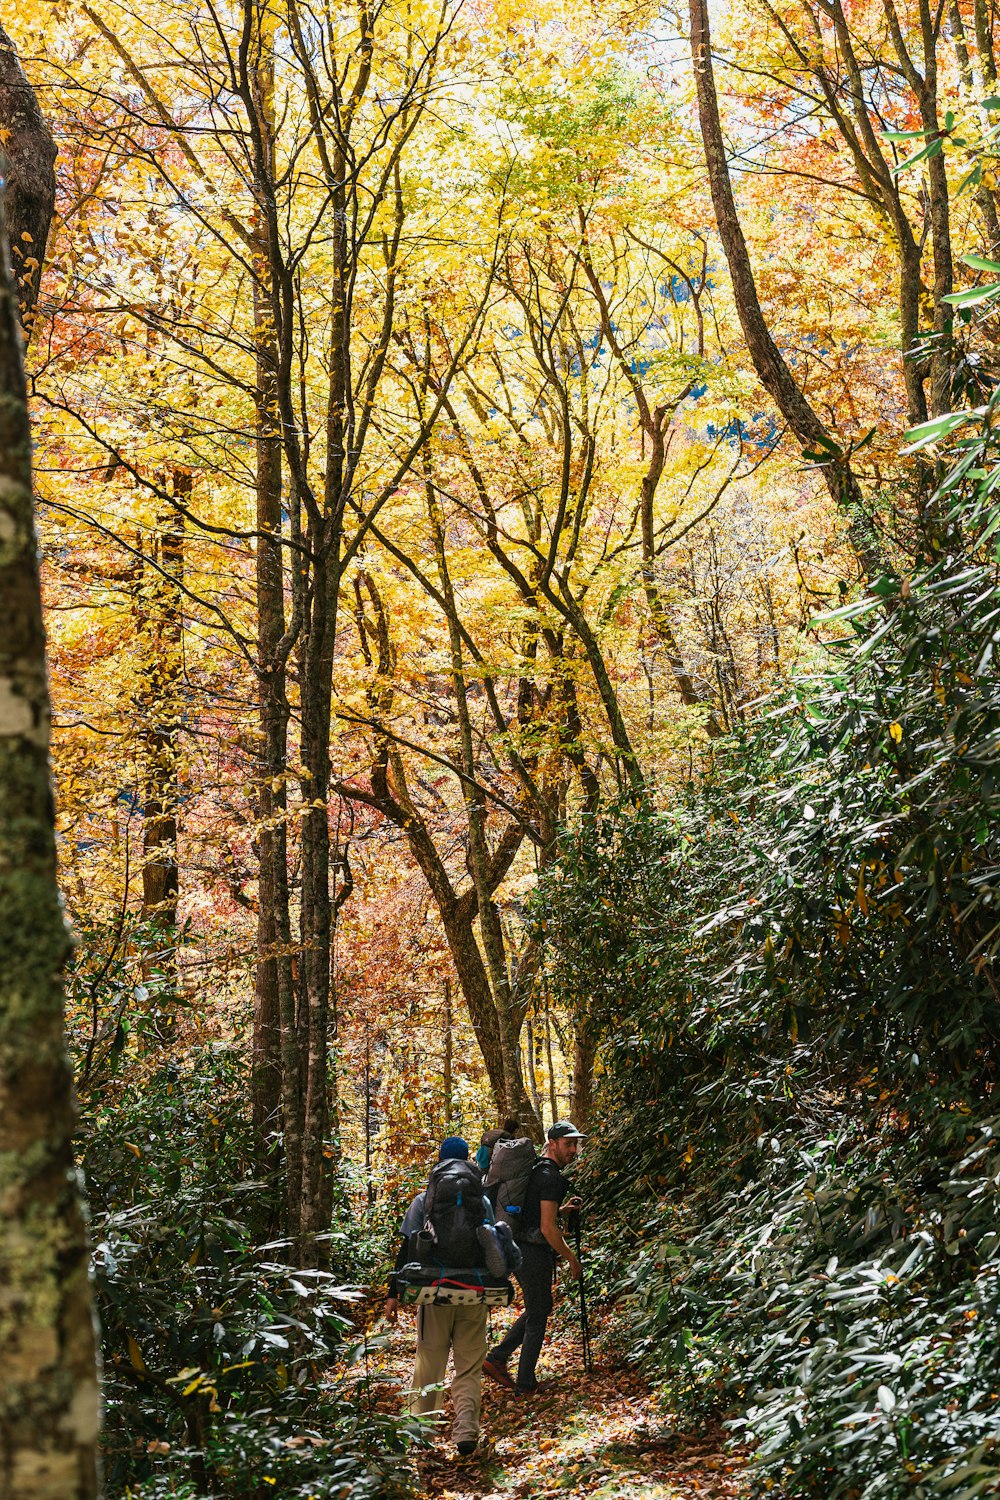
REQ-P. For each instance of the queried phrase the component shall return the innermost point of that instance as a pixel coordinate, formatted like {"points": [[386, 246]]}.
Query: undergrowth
{"points": [[227, 1371], [791, 970]]}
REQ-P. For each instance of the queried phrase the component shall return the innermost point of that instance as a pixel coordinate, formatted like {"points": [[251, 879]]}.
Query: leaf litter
{"points": [[598, 1437]]}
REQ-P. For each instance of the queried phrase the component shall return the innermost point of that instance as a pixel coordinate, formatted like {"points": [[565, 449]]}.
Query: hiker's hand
{"points": [[572, 1205], [575, 1268], [391, 1309]]}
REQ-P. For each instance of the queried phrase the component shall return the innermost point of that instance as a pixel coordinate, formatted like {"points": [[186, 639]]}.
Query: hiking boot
{"points": [[540, 1388], [467, 1447], [498, 1372]]}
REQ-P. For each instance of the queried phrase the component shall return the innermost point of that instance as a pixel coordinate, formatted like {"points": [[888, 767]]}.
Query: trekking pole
{"points": [[574, 1226]]}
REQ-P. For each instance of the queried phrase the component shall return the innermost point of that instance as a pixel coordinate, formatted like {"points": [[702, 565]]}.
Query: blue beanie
{"points": [[453, 1148]]}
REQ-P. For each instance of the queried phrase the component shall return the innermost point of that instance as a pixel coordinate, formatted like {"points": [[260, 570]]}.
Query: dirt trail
{"points": [[602, 1437]]}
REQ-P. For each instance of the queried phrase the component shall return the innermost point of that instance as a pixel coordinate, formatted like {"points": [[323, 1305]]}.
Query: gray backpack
{"points": [[507, 1185]]}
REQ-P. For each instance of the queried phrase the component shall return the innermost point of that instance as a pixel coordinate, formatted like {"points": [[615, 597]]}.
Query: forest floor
{"points": [[598, 1437]]}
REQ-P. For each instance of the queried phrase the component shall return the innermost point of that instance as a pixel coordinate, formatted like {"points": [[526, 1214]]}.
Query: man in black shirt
{"points": [[542, 1244]]}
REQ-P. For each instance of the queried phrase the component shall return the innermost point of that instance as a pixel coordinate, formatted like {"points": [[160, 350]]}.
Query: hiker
{"points": [[542, 1244], [506, 1132], [458, 1329]]}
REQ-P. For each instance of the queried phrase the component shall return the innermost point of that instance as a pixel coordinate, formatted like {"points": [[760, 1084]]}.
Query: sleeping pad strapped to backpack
{"points": [[448, 1261]]}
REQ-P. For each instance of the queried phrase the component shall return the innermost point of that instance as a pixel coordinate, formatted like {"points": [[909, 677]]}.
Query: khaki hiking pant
{"points": [[460, 1331]]}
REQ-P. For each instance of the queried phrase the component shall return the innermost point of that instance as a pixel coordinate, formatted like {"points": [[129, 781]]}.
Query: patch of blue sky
{"points": [[759, 431]]}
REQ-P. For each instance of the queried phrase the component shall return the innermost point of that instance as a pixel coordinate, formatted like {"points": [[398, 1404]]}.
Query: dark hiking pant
{"points": [[528, 1332]]}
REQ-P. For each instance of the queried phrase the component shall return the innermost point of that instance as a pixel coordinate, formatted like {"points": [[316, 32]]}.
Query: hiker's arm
{"points": [[554, 1235], [392, 1289]]}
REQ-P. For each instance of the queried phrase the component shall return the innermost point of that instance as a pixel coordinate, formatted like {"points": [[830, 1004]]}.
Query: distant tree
{"points": [[770, 364], [50, 1405]]}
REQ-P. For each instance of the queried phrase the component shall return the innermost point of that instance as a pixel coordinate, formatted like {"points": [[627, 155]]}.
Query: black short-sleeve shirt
{"points": [[548, 1183]]}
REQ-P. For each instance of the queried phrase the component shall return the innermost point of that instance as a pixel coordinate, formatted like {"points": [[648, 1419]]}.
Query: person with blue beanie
{"points": [[458, 1330]]}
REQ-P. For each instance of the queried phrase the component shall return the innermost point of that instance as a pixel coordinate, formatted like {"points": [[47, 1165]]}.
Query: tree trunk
{"points": [[273, 989], [984, 198], [274, 974], [553, 1101], [530, 1061], [654, 422], [771, 368], [30, 154], [475, 985], [582, 1088], [316, 912], [49, 1406], [164, 628], [447, 1080]]}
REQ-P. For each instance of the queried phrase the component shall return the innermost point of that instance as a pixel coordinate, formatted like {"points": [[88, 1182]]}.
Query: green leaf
{"points": [[980, 263], [863, 442], [971, 179], [933, 148], [973, 295], [938, 427]]}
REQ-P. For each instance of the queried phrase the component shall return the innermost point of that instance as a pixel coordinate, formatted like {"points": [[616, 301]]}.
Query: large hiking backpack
{"points": [[454, 1209], [487, 1146], [507, 1184]]}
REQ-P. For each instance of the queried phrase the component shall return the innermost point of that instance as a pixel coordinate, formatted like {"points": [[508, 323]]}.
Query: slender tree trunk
{"points": [[273, 993], [316, 912], [984, 198], [582, 1087], [925, 89], [553, 1101], [273, 975], [771, 368], [479, 961], [369, 1183], [491, 934], [690, 694], [49, 1397], [447, 1081], [162, 697], [529, 1046], [654, 422], [984, 43], [475, 985]]}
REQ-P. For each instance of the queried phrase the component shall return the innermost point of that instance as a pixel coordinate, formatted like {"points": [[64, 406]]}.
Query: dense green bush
{"points": [[793, 977], [848, 1297], [227, 1371]]}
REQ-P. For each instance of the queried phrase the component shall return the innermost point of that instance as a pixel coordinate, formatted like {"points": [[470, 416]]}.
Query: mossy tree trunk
{"points": [[49, 1399]]}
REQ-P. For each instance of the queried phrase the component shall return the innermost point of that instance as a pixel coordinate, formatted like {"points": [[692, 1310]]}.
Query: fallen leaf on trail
{"points": [[603, 1437]]}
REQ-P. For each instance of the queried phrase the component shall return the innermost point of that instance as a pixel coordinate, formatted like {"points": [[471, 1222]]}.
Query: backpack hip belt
{"points": [[465, 1287]]}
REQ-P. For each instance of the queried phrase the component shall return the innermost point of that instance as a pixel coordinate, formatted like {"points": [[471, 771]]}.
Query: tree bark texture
{"points": [[277, 1098], [768, 361], [49, 1398], [162, 621], [984, 196], [27, 160], [582, 1086]]}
